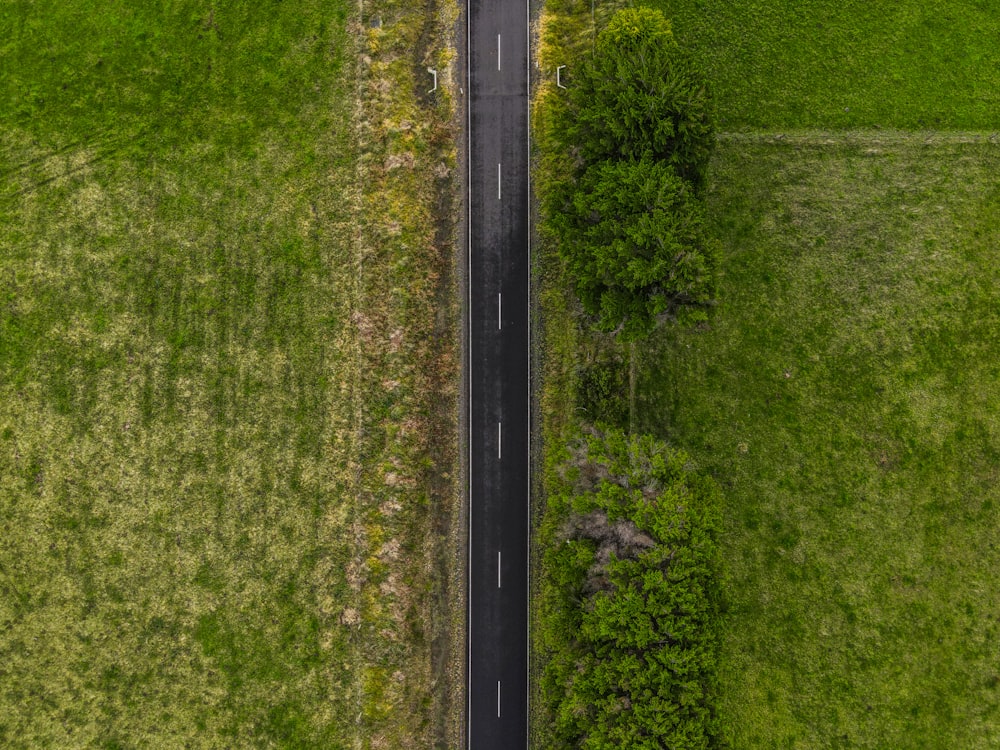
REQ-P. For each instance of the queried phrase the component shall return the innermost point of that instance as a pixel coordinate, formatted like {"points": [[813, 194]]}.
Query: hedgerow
{"points": [[630, 597], [634, 243], [640, 96], [627, 211]]}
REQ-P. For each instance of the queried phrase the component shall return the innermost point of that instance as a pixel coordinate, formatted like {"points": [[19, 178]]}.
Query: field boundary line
{"points": [[861, 137]]}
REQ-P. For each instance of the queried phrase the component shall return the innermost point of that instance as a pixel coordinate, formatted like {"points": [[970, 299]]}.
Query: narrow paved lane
{"points": [[498, 372]]}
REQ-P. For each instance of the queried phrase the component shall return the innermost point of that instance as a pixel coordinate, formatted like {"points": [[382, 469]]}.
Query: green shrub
{"points": [[630, 598], [632, 235], [640, 96]]}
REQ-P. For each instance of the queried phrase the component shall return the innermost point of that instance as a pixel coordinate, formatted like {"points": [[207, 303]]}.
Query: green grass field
{"points": [[225, 494], [846, 396], [845, 391], [910, 64]]}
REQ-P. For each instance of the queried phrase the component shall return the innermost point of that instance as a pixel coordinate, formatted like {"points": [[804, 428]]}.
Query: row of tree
{"points": [[630, 218], [629, 581], [629, 600]]}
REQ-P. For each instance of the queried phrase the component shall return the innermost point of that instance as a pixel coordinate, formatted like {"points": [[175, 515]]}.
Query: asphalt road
{"points": [[497, 87]]}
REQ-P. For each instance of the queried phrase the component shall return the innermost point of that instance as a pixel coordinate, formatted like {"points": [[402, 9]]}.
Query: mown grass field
{"points": [[909, 64], [226, 335], [846, 396]]}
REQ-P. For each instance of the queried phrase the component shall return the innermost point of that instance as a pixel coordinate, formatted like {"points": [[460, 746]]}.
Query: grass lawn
{"points": [[222, 479], [847, 396], [846, 63]]}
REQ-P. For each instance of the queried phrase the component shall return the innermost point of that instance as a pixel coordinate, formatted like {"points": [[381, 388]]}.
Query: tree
{"points": [[633, 237], [640, 96]]}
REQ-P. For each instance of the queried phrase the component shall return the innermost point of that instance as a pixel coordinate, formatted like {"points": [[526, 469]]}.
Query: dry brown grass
{"points": [[405, 453]]}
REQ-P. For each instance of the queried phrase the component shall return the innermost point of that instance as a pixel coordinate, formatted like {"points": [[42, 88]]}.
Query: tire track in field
{"points": [[48, 167]]}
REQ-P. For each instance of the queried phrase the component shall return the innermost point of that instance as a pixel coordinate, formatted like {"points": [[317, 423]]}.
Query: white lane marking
{"points": [[498, 180], [499, 442], [499, 310], [498, 568], [498, 699], [498, 52]]}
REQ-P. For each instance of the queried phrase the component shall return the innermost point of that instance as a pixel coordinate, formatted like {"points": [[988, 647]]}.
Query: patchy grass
{"points": [[846, 64], [227, 490], [845, 395]]}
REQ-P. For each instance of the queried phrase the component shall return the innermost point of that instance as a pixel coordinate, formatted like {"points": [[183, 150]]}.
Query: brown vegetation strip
{"points": [[405, 572]]}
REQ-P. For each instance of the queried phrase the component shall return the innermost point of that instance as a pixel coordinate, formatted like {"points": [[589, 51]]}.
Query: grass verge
{"points": [[563, 31]]}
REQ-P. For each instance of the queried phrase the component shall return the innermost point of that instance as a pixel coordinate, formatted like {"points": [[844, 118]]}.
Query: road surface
{"points": [[497, 88]]}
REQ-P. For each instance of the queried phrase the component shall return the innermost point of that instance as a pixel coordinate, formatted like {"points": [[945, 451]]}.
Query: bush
{"points": [[632, 235], [640, 96], [630, 598]]}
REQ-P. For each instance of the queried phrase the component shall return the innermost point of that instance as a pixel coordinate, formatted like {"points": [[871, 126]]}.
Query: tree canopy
{"points": [[627, 213], [633, 238], [640, 96], [630, 598]]}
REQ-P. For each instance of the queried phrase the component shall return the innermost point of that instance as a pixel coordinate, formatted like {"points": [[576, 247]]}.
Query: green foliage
{"points": [[625, 210], [633, 239], [640, 96], [630, 598], [603, 392]]}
